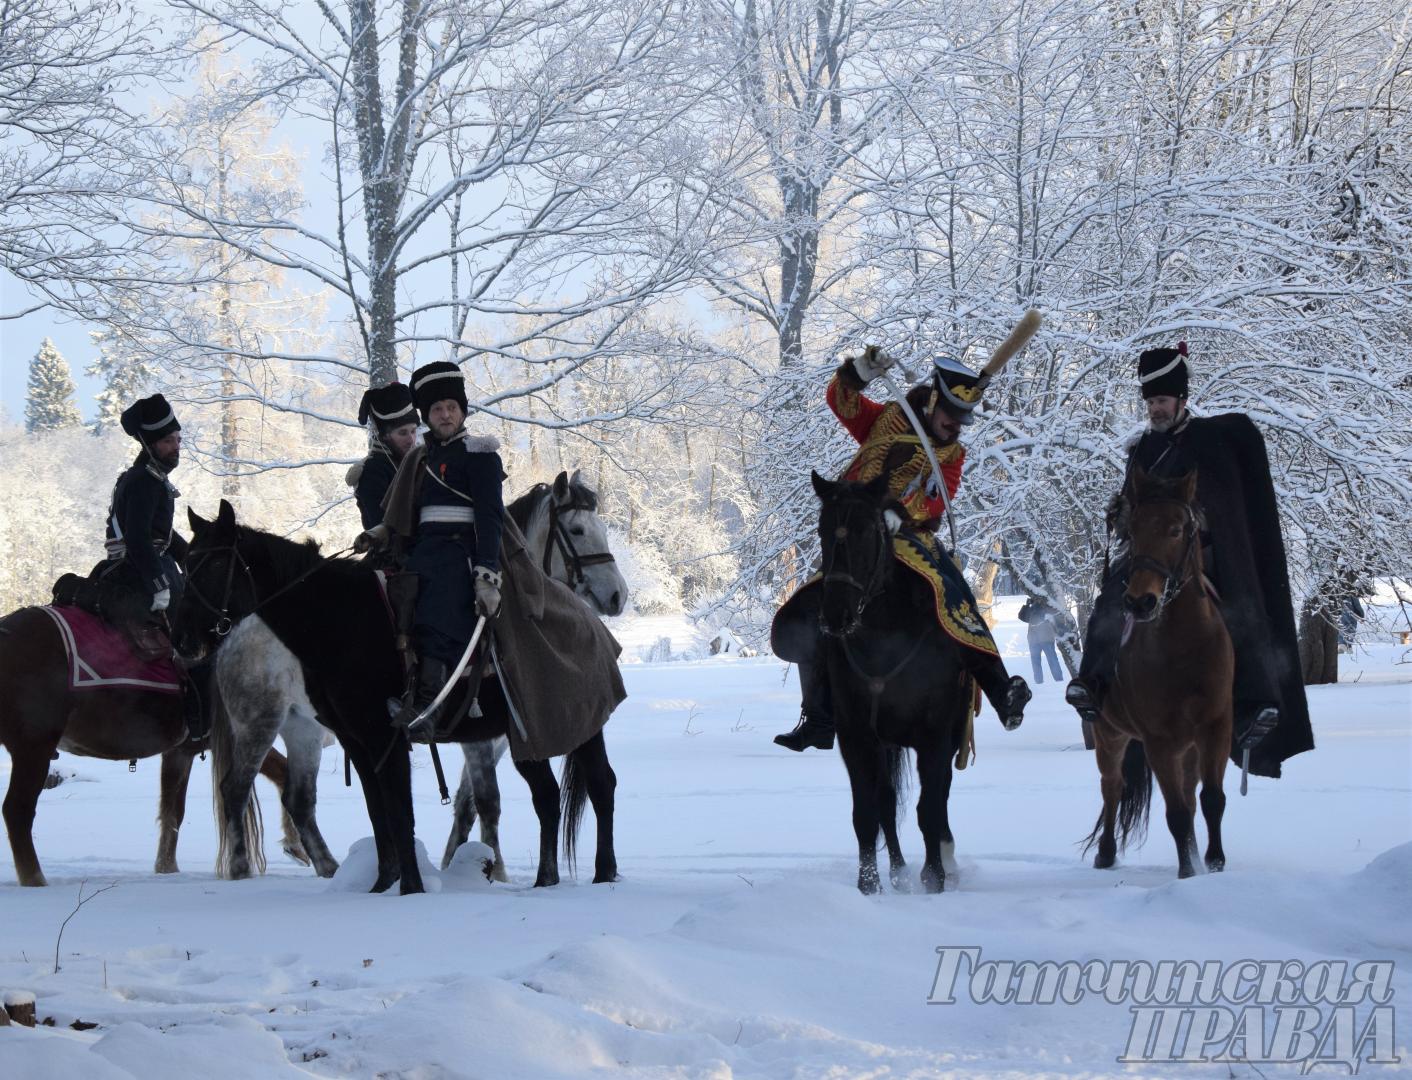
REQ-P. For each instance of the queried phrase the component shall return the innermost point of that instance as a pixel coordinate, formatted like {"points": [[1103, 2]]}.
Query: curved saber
{"points": [[926, 446], [1019, 337], [454, 677]]}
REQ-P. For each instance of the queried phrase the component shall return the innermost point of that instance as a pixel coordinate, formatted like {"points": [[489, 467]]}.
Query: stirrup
{"points": [[1081, 699], [1266, 720]]}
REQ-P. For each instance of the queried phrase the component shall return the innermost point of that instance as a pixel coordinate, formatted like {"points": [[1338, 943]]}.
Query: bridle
{"points": [[224, 623], [559, 539], [867, 591], [1174, 579]]}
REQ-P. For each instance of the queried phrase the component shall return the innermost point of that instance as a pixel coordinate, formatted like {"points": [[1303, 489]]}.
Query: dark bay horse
{"points": [[897, 680], [1169, 710], [331, 615], [40, 714]]}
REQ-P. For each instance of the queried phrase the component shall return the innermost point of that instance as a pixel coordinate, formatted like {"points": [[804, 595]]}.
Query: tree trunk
{"points": [[1318, 641]]}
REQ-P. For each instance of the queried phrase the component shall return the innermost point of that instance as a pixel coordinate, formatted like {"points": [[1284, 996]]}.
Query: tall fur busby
{"points": [[149, 420], [437, 381], [1164, 372], [388, 407]]}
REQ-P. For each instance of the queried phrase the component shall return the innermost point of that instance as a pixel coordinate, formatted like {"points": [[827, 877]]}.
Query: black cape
{"points": [[1248, 567]]}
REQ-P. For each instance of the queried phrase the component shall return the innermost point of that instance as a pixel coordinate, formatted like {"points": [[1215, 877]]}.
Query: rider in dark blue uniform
{"points": [[143, 551], [394, 420], [454, 548], [143, 577]]}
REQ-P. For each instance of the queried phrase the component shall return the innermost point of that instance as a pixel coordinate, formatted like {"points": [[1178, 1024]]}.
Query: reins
{"points": [[224, 623]]}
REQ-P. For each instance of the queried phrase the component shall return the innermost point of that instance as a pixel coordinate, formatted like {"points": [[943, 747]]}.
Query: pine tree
{"points": [[49, 399], [126, 375]]}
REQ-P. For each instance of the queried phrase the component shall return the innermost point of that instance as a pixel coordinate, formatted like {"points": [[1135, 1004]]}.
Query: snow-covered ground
{"points": [[736, 944]]}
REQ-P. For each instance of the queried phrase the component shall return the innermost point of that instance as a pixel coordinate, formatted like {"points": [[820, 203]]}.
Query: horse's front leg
{"points": [[395, 779], [1110, 746], [1213, 794], [934, 770], [1167, 767], [363, 763], [171, 806], [544, 792], [863, 754]]}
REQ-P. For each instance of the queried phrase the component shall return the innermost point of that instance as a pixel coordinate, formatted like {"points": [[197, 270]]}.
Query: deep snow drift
{"points": [[735, 945]]}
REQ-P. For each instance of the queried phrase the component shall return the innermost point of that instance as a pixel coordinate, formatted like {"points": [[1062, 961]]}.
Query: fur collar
{"points": [[475, 444]]}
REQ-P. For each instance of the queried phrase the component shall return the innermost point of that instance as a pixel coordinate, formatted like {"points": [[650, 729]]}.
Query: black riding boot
{"points": [[1099, 662], [431, 677], [196, 701], [1008, 694], [815, 727]]}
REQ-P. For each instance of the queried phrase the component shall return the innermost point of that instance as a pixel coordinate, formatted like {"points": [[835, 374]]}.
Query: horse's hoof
{"points": [[297, 854], [497, 873], [383, 883], [898, 876], [933, 883], [412, 888], [1185, 872], [868, 883], [166, 868], [1104, 862], [544, 880], [606, 878], [1215, 866]]}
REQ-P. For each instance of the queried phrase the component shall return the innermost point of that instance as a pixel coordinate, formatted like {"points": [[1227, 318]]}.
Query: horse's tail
{"points": [[898, 773], [222, 760], [1135, 802], [573, 793]]}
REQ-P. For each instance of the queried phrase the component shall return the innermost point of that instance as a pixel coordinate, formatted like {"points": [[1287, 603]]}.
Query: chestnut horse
{"points": [[40, 714], [1169, 710]]}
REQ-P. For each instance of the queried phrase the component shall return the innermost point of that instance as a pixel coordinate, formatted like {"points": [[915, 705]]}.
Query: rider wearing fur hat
{"points": [[453, 537], [393, 417], [1242, 554], [142, 577], [141, 544], [889, 446]]}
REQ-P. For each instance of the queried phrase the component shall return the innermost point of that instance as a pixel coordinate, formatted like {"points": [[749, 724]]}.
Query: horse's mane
{"points": [[284, 558], [523, 509]]}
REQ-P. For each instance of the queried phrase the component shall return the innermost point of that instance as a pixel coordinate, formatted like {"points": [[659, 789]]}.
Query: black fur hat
{"points": [[437, 381], [149, 420], [388, 407], [1164, 372]]}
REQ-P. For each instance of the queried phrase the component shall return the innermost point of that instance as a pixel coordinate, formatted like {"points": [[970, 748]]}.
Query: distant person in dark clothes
{"points": [[1041, 622]]}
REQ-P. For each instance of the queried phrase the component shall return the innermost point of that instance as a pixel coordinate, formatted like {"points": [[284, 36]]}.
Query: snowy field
{"points": [[736, 944]]}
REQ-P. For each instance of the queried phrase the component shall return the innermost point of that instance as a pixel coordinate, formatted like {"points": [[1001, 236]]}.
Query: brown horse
{"points": [[1169, 710], [39, 714]]}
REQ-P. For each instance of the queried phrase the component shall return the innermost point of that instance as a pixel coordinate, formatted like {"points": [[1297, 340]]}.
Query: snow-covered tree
{"points": [[127, 371], [65, 141], [49, 394]]}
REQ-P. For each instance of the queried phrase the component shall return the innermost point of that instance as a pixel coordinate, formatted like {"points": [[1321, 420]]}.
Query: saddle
{"points": [[106, 594]]}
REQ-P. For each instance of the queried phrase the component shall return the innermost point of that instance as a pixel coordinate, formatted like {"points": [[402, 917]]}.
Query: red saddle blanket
{"points": [[102, 658]]}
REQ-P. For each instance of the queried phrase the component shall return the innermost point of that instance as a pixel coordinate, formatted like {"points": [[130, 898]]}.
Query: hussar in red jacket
{"points": [[889, 446]]}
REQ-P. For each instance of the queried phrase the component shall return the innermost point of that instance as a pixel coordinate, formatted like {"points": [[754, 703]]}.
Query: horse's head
{"points": [[220, 588], [576, 546], [856, 525], [1163, 526]]}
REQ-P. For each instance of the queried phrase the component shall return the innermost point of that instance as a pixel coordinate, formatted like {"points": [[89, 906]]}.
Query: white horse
{"points": [[261, 695], [569, 540]]}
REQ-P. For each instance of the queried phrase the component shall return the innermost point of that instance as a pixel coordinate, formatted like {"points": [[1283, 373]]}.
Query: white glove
{"points": [[487, 592], [161, 599], [375, 539], [872, 364]]}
